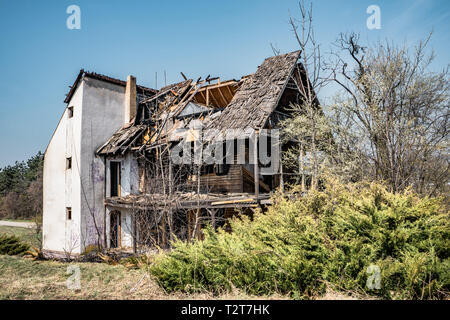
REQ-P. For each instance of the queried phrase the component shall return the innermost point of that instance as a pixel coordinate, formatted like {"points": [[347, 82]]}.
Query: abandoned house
{"points": [[110, 179]]}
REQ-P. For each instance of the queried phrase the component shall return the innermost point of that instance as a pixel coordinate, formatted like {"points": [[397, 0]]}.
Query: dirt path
{"points": [[17, 224]]}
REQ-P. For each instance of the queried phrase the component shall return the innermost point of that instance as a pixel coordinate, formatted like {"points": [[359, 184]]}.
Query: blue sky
{"points": [[40, 57]]}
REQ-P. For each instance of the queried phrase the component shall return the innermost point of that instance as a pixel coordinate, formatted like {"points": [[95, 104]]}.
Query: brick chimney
{"points": [[130, 99]]}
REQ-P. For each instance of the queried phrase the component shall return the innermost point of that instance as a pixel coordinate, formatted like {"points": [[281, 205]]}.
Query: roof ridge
{"points": [[101, 77]]}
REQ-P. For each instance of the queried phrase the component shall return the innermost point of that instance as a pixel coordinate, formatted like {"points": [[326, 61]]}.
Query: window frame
{"points": [[68, 213], [68, 163]]}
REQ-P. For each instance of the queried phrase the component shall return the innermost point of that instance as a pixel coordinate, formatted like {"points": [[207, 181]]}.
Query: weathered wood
{"points": [[256, 164], [134, 232], [258, 95], [232, 201], [225, 102], [248, 177], [281, 172]]}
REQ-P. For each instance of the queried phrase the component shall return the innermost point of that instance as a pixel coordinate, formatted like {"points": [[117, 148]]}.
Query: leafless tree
{"points": [[306, 128], [396, 113]]}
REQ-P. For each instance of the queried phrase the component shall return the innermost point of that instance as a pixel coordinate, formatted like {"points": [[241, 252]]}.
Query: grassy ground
{"points": [[18, 220], [24, 278], [27, 235]]}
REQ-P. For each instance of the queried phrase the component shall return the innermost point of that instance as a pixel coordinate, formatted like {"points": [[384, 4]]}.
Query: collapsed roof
{"points": [[235, 104], [258, 96]]}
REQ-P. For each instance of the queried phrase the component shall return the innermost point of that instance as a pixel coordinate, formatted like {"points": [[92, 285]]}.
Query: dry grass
{"points": [[22, 278]]}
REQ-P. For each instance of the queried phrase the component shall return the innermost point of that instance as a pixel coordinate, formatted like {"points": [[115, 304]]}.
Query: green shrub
{"points": [[11, 245], [328, 237]]}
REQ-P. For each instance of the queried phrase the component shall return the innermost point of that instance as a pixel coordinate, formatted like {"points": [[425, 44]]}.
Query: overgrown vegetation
{"points": [[12, 245], [328, 238], [388, 122]]}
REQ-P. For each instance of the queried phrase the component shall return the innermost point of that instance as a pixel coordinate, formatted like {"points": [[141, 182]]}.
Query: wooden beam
{"points": [[189, 227], [213, 98], [221, 95], [134, 232], [203, 96], [281, 171], [219, 85], [230, 92], [216, 203], [256, 167]]}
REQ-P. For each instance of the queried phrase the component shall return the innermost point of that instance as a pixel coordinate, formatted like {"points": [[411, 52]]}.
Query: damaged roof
{"points": [[258, 96], [122, 139], [253, 99], [93, 75]]}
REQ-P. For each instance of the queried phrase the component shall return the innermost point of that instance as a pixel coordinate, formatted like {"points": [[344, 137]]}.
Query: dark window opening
{"points": [[70, 112], [115, 178], [69, 213], [115, 229], [69, 163]]}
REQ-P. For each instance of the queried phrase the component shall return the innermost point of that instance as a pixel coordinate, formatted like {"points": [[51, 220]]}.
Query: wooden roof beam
{"points": [[223, 98], [211, 95], [230, 92]]}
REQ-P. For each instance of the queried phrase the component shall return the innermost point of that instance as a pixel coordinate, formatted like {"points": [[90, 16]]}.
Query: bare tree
{"points": [[307, 127], [396, 113]]}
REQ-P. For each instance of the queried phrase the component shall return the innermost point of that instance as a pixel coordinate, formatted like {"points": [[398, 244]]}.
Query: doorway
{"points": [[115, 229]]}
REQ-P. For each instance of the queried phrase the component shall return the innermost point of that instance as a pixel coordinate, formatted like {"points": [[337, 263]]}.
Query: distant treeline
{"points": [[21, 188]]}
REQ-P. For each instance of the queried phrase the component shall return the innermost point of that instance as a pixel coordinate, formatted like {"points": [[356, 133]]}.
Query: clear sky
{"points": [[40, 57]]}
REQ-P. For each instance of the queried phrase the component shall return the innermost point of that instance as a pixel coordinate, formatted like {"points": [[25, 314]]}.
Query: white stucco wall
{"points": [[103, 114], [62, 186], [127, 227], [98, 114]]}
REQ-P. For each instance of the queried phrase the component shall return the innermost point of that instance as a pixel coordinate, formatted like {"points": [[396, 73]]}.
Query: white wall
{"points": [[62, 186], [98, 114], [127, 229], [103, 114]]}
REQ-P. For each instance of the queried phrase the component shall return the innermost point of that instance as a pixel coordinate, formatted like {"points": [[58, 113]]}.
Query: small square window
{"points": [[70, 112], [69, 163], [69, 213]]}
